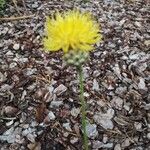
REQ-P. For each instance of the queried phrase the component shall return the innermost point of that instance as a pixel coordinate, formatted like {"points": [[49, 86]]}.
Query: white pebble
{"points": [[16, 46]]}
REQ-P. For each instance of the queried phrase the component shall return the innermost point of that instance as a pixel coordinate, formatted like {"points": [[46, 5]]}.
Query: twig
{"points": [[24, 5], [15, 3], [16, 18], [7, 118]]}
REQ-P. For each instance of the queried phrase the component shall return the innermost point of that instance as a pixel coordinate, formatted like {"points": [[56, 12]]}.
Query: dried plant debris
{"points": [[39, 105]]}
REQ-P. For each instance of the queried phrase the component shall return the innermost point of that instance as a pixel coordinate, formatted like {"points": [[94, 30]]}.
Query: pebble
{"points": [[75, 112], [95, 85], [60, 89], [117, 102], [127, 106], [18, 139], [56, 104], [9, 53], [117, 147], [97, 144], [65, 134], [104, 119], [9, 123], [67, 126], [117, 71], [138, 126], [29, 71], [91, 130], [105, 138], [126, 143], [96, 73], [51, 115], [108, 145], [31, 137], [5, 87], [9, 110], [2, 77], [147, 43], [148, 136], [141, 84], [16, 46], [9, 131], [121, 91], [13, 65], [134, 56], [74, 140], [35, 5]]}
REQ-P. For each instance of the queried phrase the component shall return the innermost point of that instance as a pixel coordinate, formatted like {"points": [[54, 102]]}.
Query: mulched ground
{"points": [[39, 104]]}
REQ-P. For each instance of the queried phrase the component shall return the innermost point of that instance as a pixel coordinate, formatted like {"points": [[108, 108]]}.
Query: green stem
{"points": [[83, 107]]}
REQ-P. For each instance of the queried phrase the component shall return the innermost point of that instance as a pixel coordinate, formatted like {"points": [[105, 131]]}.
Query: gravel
{"points": [[39, 103]]}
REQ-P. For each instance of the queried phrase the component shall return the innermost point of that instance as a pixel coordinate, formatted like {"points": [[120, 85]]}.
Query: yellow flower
{"points": [[71, 30]]}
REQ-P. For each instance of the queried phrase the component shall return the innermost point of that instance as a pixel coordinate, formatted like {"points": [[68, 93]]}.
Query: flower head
{"points": [[71, 30]]}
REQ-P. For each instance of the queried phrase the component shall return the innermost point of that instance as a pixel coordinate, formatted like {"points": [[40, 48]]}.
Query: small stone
{"points": [[148, 136], [9, 131], [65, 134], [106, 124], [95, 85], [31, 137], [60, 89], [5, 87], [35, 5], [25, 126], [121, 91], [108, 145], [12, 65], [10, 123], [16, 46], [117, 147], [138, 126], [137, 24], [126, 143], [134, 56], [97, 144], [11, 138], [74, 140], [9, 53], [105, 138], [34, 146], [29, 71], [104, 119], [86, 94], [2, 77], [75, 112], [96, 73], [117, 102], [91, 130], [67, 126], [18, 139], [147, 43], [34, 124], [122, 22], [25, 132], [117, 71], [9, 110], [141, 84], [56, 104], [51, 115], [127, 106]]}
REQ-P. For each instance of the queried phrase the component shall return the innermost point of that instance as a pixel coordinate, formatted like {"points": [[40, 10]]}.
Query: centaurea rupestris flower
{"points": [[75, 33], [71, 30]]}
